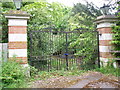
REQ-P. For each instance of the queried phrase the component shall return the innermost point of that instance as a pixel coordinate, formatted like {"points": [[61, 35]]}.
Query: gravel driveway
{"points": [[86, 80]]}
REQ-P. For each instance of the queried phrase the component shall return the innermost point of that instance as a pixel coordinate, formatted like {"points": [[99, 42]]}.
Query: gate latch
{"points": [[66, 54]]}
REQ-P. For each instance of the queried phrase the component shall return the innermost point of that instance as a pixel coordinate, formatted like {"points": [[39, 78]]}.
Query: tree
{"points": [[44, 14], [84, 15]]}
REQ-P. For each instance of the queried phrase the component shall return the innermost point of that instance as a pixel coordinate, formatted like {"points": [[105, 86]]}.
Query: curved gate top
{"points": [[56, 50]]}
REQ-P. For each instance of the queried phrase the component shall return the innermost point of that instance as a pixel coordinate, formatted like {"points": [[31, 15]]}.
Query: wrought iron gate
{"points": [[56, 50]]}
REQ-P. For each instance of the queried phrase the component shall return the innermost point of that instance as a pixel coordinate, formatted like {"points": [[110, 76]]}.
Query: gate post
{"points": [[104, 27], [17, 36]]}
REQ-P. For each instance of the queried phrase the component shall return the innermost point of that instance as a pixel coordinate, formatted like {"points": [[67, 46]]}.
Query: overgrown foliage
{"points": [[44, 14], [116, 36], [42, 75], [109, 69], [62, 18], [13, 75], [84, 15], [86, 47]]}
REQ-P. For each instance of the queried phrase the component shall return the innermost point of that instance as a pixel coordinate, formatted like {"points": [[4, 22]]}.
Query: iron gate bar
{"points": [[66, 51], [83, 29], [31, 42], [50, 48], [65, 31], [98, 49], [50, 53]]}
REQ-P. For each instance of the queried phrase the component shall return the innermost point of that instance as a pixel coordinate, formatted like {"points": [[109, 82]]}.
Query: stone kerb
{"points": [[17, 35], [104, 26]]}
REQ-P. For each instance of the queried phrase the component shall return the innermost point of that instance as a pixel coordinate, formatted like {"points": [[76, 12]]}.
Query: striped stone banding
{"points": [[17, 45], [17, 37], [104, 48], [104, 24], [106, 55], [17, 29], [18, 52], [105, 42], [105, 30], [21, 60], [107, 36]]}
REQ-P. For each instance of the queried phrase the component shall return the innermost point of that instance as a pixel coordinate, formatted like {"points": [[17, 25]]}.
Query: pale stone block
{"points": [[17, 37], [106, 24], [105, 36], [18, 52], [17, 22], [105, 48]]}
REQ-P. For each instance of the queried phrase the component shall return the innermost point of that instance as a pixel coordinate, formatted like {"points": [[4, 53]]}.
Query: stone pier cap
{"points": [[106, 18], [17, 14]]}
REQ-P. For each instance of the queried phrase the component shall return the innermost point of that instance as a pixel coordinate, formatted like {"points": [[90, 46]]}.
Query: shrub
{"points": [[13, 75], [33, 71], [109, 69]]}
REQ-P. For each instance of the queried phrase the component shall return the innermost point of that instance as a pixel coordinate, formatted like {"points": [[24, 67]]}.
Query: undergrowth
{"points": [[109, 71], [13, 75], [42, 75]]}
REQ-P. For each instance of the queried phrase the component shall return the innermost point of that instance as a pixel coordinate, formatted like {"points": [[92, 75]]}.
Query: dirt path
{"points": [[97, 80], [87, 80]]}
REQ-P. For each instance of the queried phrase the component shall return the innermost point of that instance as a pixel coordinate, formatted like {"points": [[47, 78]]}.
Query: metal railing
{"points": [[56, 50]]}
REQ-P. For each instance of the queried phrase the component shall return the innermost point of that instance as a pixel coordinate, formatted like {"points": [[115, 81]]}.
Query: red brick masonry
{"points": [[17, 29], [105, 42], [17, 45], [106, 55], [21, 60], [105, 30]]}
